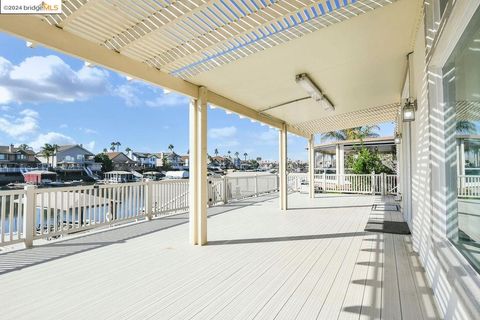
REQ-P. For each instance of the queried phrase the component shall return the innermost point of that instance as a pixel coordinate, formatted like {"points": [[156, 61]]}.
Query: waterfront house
{"points": [[144, 159], [121, 162], [71, 158], [14, 159], [172, 159]]}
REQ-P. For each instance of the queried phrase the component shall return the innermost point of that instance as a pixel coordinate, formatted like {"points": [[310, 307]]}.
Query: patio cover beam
{"points": [[37, 31]]}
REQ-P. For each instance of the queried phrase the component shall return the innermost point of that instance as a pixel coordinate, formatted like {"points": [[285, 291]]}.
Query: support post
{"points": [[202, 165], [29, 211], [193, 177], [198, 168], [256, 185], [282, 166], [311, 166]]}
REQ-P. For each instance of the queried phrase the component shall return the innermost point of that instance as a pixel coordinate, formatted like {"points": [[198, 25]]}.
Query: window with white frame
{"points": [[461, 89]]}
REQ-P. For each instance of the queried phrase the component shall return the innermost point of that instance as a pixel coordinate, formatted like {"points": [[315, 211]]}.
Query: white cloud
{"points": [[229, 143], [219, 133], [129, 94], [19, 126], [52, 138], [63, 126], [49, 78], [90, 146], [88, 131]]}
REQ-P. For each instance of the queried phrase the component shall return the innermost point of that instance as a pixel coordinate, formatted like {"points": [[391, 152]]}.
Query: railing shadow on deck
{"points": [[377, 301], [330, 207], [24, 258], [288, 238]]}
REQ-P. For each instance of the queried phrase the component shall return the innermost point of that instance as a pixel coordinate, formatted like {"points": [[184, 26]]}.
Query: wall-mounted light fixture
{"points": [[398, 138], [314, 91], [408, 110]]}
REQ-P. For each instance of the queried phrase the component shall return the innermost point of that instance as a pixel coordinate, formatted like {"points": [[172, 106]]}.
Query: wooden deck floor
{"points": [[313, 262]]}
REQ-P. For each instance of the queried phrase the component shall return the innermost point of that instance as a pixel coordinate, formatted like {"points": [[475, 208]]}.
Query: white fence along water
{"points": [[44, 213]]}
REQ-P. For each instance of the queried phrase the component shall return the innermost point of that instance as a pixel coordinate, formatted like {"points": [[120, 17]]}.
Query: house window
{"points": [[3, 156], [461, 82]]}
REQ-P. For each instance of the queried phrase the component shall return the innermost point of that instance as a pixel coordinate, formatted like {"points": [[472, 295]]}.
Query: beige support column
{"points": [[198, 168], [202, 165], [193, 177], [311, 166], [282, 167]]}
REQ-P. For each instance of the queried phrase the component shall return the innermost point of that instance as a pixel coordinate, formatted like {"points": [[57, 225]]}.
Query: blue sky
{"points": [[48, 97]]}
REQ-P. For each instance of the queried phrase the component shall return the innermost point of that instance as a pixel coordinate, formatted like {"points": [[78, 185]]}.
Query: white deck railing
{"points": [[346, 183], [39, 213], [225, 189], [468, 186]]}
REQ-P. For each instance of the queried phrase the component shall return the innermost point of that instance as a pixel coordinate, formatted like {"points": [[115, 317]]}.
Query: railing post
{"points": [[373, 182], [324, 181], [29, 211], [384, 184], [225, 190], [149, 200], [256, 185]]}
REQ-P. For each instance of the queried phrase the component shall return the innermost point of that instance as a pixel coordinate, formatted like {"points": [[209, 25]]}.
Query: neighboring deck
{"points": [[314, 261]]}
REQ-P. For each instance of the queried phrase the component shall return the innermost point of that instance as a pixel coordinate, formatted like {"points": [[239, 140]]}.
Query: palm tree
{"points": [[216, 152], [245, 155], [229, 153], [466, 127], [352, 133], [259, 159], [171, 147], [105, 150], [113, 145], [127, 149], [236, 154], [47, 151], [24, 147], [118, 144]]}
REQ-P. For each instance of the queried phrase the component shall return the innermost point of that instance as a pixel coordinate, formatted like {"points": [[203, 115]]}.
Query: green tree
{"points": [[24, 147], [216, 152], [107, 164], [366, 162], [166, 166], [171, 147], [236, 154], [245, 155], [113, 146], [49, 150]]}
